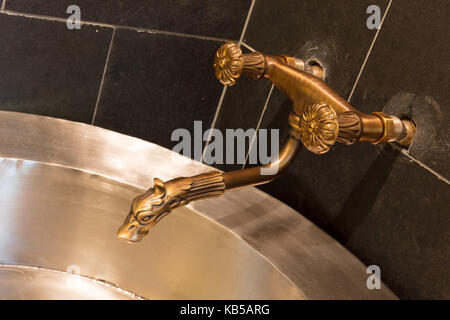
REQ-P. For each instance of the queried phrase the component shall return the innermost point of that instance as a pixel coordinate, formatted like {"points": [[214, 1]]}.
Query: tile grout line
{"points": [[224, 90], [423, 165], [369, 52], [247, 20], [258, 125], [241, 42], [100, 90], [248, 47], [216, 116], [403, 151], [113, 26]]}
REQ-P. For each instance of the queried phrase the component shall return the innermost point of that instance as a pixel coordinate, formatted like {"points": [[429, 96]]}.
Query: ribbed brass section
{"points": [[349, 127], [254, 65]]}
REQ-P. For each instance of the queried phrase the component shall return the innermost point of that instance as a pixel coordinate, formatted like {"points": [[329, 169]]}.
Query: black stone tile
{"points": [[275, 118], [277, 113], [332, 32], [333, 44], [241, 109], [407, 74], [49, 70], [215, 18], [384, 208], [157, 83]]}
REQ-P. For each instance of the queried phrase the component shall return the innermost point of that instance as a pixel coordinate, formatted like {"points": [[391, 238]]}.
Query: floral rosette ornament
{"points": [[228, 64], [319, 128]]}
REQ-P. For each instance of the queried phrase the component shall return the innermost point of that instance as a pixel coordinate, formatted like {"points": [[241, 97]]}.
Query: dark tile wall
{"points": [[331, 32], [156, 83], [144, 68], [408, 74], [216, 18], [48, 70], [389, 208], [247, 100]]}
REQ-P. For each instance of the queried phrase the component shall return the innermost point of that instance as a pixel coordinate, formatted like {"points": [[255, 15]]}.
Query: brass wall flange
{"points": [[409, 130]]}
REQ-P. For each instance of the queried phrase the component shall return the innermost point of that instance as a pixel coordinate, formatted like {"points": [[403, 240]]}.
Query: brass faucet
{"points": [[319, 118]]}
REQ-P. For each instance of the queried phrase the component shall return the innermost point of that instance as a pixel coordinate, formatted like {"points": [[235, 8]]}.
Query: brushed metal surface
{"points": [[30, 283], [57, 218], [62, 206]]}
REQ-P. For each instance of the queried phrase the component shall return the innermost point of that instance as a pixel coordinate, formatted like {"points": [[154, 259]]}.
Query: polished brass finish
{"points": [[392, 128], [319, 128], [254, 65], [149, 208], [409, 129], [228, 64], [253, 176], [303, 85], [319, 119], [349, 127]]}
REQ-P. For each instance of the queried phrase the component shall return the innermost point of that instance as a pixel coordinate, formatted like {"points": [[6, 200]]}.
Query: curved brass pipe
{"points": [[305, 90], [148, 209], [302, 88], [263, 174], [319, 119]]}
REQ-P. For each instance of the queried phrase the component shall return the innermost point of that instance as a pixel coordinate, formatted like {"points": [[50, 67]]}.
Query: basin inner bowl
{"points": [[57, 219], [30, 283]]}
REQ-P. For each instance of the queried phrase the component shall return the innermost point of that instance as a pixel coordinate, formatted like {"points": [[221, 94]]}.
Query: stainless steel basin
{"points": [[65, 187]]}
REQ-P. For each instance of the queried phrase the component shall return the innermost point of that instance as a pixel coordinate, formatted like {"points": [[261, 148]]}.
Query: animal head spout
{"points": [[149, 208], [146, 210]]}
